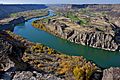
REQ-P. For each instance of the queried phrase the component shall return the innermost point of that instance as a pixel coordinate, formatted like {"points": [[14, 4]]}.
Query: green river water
{"points": [[100, 57]]}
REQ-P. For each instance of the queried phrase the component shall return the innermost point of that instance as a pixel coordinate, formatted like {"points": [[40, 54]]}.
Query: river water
{"points": [[100, 57]]}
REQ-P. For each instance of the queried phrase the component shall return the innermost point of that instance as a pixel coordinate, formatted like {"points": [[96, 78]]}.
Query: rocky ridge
{"points": [[9, 23], [22, 59], [36, 62]]}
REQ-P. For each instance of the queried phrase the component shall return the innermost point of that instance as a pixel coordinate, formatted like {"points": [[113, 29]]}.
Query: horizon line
{"points": [[58, 3]]}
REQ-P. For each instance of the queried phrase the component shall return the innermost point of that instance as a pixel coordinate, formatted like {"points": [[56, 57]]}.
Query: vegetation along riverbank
{"points": [[95, 29], [23, 58]]}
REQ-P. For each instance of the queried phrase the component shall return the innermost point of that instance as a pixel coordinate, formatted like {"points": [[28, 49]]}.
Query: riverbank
{"points": [[29, 59], [21, 17], [43, 60], [29, 14], [37, 61], [96, 36], [9, 23]]}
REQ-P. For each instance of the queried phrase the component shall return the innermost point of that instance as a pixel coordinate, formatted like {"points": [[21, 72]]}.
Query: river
{"points": [[102, 58]]}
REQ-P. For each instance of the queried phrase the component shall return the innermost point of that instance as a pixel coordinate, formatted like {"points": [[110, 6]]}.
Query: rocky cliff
{"points": [[22, 59], [105, 36], [9, 25], [11, 52]]}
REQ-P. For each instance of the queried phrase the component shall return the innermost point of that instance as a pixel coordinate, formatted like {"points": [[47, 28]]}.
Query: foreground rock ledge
{"points": [[111, 74], [32, 59]]}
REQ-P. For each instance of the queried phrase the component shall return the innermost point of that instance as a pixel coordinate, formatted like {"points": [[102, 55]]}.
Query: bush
{"points": [[79, 73], [39, 24]]}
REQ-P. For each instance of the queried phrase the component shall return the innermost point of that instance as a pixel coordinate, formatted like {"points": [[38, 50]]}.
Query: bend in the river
{"points": [[100, 57]]}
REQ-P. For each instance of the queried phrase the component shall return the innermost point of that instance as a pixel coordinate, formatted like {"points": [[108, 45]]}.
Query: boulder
{"points": [[111, 74]]}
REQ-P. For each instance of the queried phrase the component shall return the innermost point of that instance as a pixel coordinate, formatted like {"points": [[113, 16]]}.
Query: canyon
{"points": [[27, 58], [87, 27]]}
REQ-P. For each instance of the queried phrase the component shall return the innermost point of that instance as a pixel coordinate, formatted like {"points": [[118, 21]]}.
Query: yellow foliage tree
{"points": [[79, 73]]}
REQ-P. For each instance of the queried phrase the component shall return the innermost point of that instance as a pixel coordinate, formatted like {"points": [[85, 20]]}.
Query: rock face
{"points": [[111, 74], [10, 54], [28, 75], [10, 25], [5, 47], [44, 62], [12, 66], [96, 39], [17, 21], [33, 75]]}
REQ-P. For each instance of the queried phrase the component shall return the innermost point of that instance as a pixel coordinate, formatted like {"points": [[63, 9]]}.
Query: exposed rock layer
{"points": [[10, 25], [94, 39], [98, 39], [10, 53]]}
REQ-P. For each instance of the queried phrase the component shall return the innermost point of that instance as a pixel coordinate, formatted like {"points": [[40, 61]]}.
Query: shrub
{"points": [[79, 73]]}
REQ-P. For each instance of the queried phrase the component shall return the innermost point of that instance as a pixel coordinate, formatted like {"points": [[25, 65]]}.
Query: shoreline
{"points": [[46, 29], [11, 24]]}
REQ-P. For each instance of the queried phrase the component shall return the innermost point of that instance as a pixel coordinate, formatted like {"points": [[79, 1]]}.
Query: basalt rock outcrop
{"points": [[10, 53], [111, 74], [10, 23], [94, 39], [87, 35], [36, 61], [12, 66], [28, 75]]}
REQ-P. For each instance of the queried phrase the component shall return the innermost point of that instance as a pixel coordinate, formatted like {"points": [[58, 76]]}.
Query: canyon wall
{"points": [[10, 25], [94, 39], [7, 9]]}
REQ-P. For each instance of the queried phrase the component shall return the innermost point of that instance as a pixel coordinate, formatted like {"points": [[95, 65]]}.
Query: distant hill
{"points": [[112, 9], [79, 6], [97, 7], [6, 9]]}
